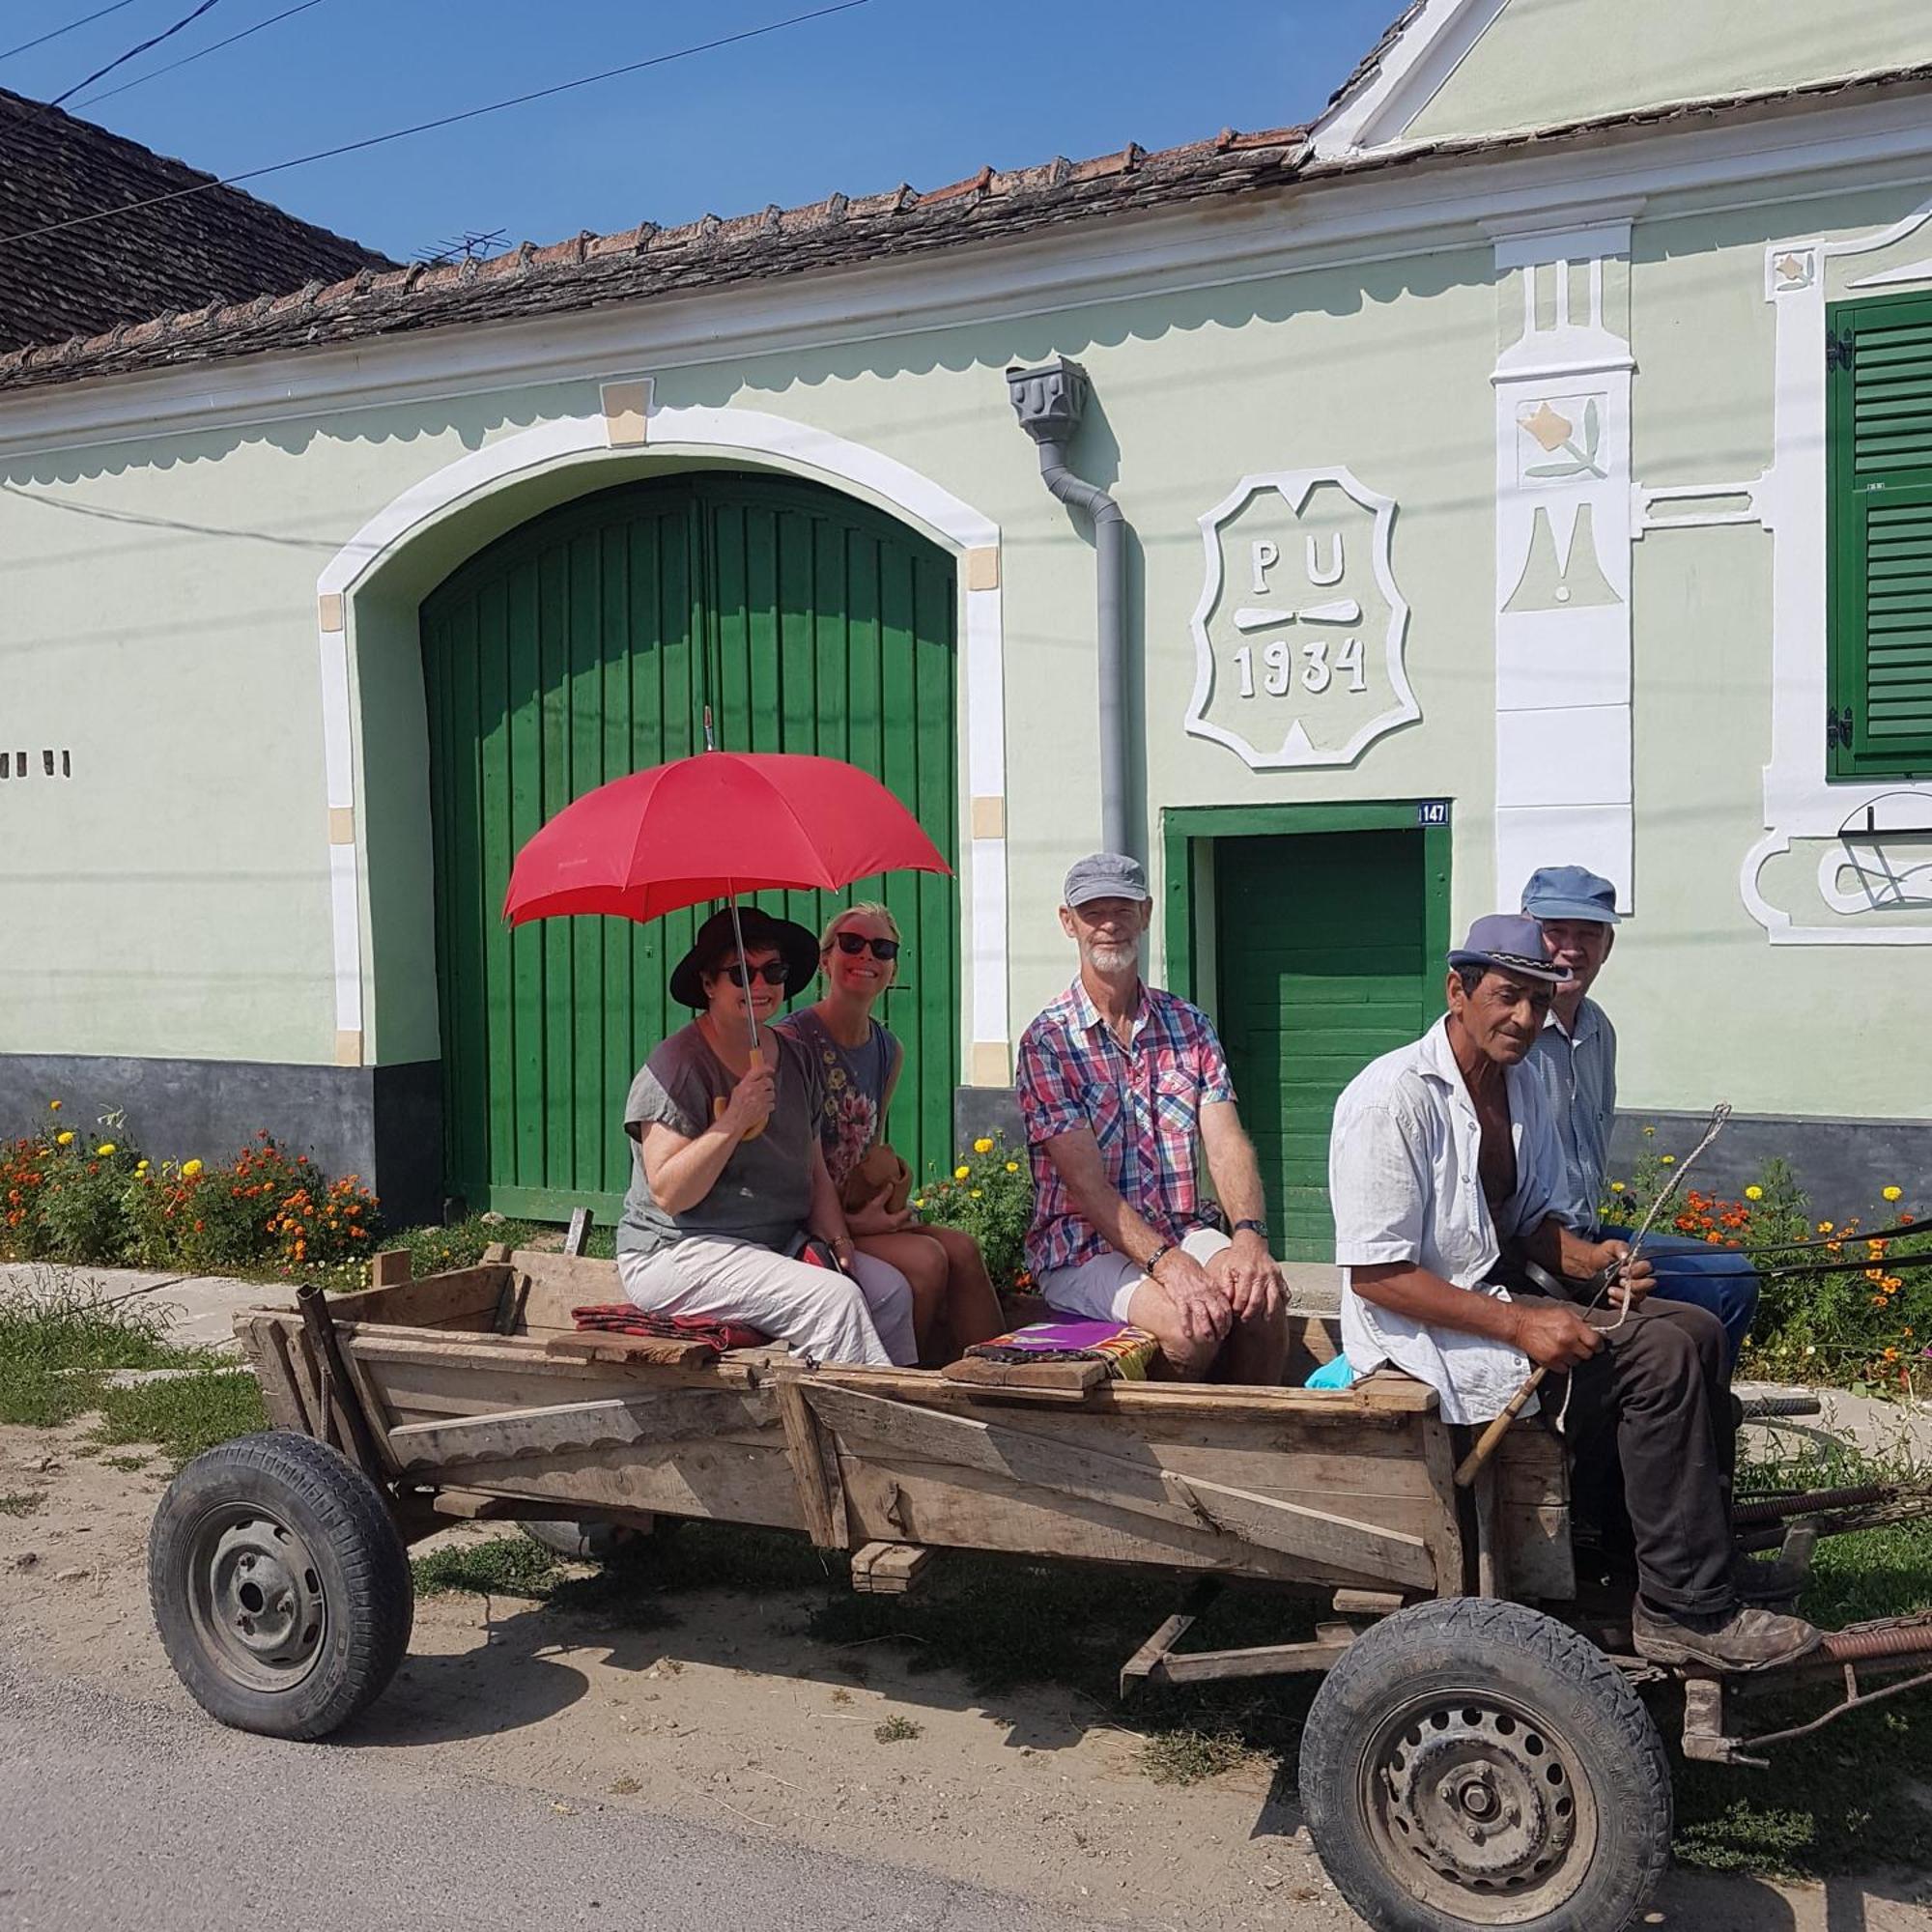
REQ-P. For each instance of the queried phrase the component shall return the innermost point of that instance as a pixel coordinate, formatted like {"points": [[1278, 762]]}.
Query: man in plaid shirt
{"points": [[1121, 1086]]}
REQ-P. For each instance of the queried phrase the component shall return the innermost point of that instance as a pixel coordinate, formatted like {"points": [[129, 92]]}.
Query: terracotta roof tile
{"points": [[640, 264], [217, 244]]}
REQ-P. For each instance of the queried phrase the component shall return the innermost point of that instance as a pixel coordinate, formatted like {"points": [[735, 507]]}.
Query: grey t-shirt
{"points": [[764, 1192]]}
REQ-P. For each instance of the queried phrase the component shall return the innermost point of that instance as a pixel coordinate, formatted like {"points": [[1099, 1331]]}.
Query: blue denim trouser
{"points": [[1719, 1279]]}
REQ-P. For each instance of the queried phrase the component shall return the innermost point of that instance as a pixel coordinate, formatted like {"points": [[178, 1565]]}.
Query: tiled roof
{"points": [[1371, 62], [595, 270], [220, 243]]}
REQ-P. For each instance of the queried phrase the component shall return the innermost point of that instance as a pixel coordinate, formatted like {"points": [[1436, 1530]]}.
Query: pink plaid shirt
{"points": [[1143, 1102]]}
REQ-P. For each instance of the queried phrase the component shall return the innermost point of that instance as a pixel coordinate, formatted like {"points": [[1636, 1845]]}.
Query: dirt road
{"points": [[737, 1725]]}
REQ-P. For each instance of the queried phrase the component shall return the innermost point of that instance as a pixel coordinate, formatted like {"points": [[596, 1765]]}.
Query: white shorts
{"points": [[1101, 1290]]}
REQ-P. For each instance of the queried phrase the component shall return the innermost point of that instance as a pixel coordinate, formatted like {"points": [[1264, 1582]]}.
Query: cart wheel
{"points": [[587, 1541], [1470, 1762], [279, 1584]]}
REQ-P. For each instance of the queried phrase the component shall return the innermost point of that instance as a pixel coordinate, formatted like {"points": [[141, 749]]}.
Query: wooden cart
{"points": [[1477, 1753]]}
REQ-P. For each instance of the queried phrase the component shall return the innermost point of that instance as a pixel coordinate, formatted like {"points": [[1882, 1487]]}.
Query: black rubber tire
{"points": [[1469, 1648], [360, 1600], [585, 1541]]}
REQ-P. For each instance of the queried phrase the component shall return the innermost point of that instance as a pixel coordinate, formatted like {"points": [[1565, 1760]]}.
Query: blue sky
{"points": [[923, 91]]}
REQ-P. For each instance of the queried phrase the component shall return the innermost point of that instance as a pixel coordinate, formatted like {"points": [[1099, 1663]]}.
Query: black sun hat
{"points": [[716, 942]]}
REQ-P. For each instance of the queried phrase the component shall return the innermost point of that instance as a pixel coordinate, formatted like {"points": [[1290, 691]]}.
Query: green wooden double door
{"points": [[587, 644], [1328, 948]]}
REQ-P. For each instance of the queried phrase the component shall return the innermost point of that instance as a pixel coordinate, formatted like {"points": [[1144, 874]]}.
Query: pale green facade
{"points": [[167, 614]]}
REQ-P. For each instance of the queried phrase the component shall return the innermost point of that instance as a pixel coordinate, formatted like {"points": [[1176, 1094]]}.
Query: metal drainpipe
{"points": [[1049, 402]]}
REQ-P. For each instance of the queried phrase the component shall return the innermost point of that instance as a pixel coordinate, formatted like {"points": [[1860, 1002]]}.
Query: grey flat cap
{"points": [[1106, 875]]}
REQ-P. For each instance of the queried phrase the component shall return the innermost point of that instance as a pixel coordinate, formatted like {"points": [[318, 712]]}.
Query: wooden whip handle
{"points": [[1472, 1465]]}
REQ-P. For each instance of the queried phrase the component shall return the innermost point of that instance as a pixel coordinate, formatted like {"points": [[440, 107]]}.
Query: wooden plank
{"points": [[520, 1356], [1040, 1461], [667, 1416], [888, 1569], [1273, 1660], [463, 1298], [391, 1269], [1070, 1383], [817, 1483], [590, 1345], [1445, 1532], [578, 1230], [265, 1350]]}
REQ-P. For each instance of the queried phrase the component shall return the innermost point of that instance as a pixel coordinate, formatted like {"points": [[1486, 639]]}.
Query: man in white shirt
{"points": [[1575, 1060], [1440, 1155]]}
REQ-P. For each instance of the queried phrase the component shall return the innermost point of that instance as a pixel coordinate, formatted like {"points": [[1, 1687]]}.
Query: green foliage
{"points": [[897, 1730], [56, 1342], [21, 1502], [502, 1566], [1184, 1756], [184, 1415], [989, 1194]]}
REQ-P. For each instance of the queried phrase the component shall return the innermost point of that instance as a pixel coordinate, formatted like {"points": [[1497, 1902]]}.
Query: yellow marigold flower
{"points": [[961, 1173], [1650, 1133], [982, 1145], [1753, 1192], [1668, 1160], [975, 1194], [191, 1168], [105, 1147], [56, 1105], [1823, 1227], [1616, 1187], [1891, 1193], [919, 1200], [63, 1140], [1013, 1167]]}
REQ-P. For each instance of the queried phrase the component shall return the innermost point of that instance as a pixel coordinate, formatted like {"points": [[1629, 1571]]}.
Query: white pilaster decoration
{"points": [[756, 438], [1563, 563], [1800, 800]]}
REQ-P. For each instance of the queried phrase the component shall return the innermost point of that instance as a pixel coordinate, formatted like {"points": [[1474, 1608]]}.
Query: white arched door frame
{"points": [[627, 427]]}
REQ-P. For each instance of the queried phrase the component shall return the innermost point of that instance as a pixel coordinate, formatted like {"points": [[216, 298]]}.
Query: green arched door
{"points": [[586, 644]]}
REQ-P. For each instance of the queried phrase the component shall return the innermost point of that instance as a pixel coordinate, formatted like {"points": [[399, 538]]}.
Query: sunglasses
{"points": [[852, 944], [774, 972]]}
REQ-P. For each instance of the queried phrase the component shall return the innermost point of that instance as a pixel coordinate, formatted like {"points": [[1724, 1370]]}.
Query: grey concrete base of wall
{"points": [[1841, 1164], [382, 1123]]}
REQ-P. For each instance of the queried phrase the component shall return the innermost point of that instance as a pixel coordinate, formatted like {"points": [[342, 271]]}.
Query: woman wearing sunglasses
{"points": [[729, 1178], [953, 1302]]}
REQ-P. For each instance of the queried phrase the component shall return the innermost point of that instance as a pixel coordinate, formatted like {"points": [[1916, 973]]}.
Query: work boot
{"points": [[1741, 1638]]}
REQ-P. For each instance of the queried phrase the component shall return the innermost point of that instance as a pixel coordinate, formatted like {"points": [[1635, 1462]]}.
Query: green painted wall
{"points": [[1542, 63], [171, 898]]}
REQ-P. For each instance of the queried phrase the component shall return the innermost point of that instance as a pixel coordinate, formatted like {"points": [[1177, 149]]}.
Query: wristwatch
{"points": [[1260, 1227]]}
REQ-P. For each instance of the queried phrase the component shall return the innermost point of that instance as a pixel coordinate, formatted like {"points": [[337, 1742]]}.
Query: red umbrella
{"points": [[710, 827]]}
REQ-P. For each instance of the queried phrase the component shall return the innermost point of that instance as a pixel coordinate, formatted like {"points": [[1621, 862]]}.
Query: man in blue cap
{"points": [[1447, 1178], [1575, 1061]]}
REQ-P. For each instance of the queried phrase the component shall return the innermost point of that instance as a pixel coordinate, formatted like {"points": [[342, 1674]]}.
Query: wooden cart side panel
{"points": [[609, 1422], [560, 1283], [265, 1350], [465, 1300], [723, 1479], [947, 1507], [1533, 1514], [885, 1434]]}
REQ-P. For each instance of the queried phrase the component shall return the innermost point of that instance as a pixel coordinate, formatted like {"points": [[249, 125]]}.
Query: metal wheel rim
{"points": [[1477, 1807], [255, 1597]]}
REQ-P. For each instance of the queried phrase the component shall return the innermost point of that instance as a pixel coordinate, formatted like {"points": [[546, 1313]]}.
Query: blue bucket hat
{"points": [[1570, 892], [1512, 944]]}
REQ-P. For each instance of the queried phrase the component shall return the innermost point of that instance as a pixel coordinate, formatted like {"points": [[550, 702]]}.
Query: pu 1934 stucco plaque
{"points": [[1300, 628]]}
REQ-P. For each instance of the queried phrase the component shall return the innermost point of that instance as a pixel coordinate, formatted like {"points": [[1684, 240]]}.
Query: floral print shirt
{"points": [[854, 1088]]}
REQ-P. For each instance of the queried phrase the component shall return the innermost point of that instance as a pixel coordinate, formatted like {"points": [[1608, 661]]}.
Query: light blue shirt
{"points": [[1577, 1073]]}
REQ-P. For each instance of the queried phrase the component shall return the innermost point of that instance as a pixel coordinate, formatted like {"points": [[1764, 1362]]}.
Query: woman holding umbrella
{"points": [[859, 1062], [729, 1176]]}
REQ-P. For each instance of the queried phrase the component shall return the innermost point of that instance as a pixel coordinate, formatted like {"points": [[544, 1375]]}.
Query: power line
{"points": [[122, 60], [445, 120], [213, 47], [57, 32]]}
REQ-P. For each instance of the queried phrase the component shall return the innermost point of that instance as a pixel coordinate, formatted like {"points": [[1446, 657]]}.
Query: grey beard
{"points": [[1113, 958]]}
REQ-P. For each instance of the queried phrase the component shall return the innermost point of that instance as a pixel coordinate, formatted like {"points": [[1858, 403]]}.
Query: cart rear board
{"points": [[1472, 1757]]}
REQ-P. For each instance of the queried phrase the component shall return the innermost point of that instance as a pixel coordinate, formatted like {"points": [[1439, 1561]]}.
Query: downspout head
{"points": [[1048, 400]]}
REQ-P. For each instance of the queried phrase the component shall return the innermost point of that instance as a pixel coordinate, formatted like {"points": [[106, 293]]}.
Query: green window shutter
{"points": [[1879, 422]]}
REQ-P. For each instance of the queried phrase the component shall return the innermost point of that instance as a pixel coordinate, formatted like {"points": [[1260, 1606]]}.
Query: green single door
{"points": [[586, 645], [1329, 947]]}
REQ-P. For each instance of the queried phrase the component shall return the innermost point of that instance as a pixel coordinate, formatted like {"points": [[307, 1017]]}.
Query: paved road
{"points": [[114, 1813]]}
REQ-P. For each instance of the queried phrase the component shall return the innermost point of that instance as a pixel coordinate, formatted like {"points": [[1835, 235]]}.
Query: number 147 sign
{"points": [[1300, 632]]}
